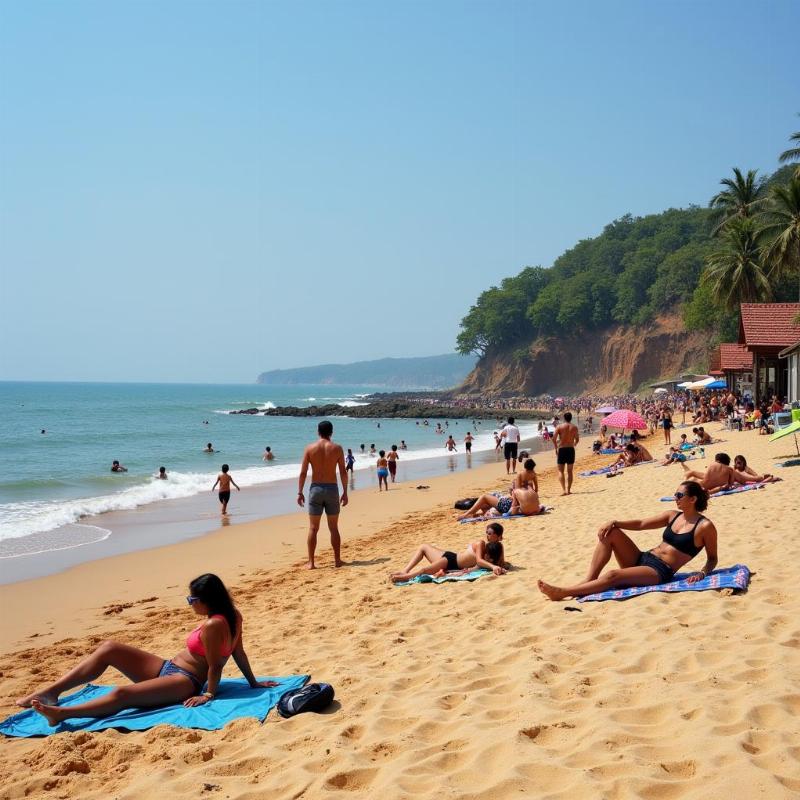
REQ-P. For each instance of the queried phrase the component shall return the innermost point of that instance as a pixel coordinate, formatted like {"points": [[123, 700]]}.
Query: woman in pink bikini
{"points": [[159, 682]]}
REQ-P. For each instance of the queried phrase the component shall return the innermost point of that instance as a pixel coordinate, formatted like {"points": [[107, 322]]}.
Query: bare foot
{"points": [[399, 577], [310, 565], [553, 592], [338, 562], [53, 714], [48, 698], [564, 494]]}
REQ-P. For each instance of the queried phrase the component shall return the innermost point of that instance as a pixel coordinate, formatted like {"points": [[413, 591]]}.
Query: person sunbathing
{"points": [[156, 681], [721, 475], [520, 501], [740, 465], [685, 535], [485, 554], [673, 456], [632, 454]]}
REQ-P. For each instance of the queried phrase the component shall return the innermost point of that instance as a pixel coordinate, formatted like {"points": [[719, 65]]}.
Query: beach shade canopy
{"points": [[717, 385], [660, 390], [605, 410], [623, 418], [793, 427], [684, 385], [702, 384]]}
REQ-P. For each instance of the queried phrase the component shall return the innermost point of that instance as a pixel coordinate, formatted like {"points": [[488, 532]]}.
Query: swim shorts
{"points": [[566, 455], [323, 497], [468, 445], [392, 467], [510, 450], [224, 497]]}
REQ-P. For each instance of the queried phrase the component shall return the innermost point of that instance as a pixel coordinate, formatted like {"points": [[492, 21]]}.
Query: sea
{"points": [[58, 441]]}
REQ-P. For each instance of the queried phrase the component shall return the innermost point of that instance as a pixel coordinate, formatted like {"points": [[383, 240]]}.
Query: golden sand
{"points": [[465, 690]]}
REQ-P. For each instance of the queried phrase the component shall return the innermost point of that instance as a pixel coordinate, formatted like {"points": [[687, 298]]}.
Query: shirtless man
{"points": [[117, 467], [450, 444], [721, 475], [565, 438], [224, 480], [324, 457], [468, 442]]}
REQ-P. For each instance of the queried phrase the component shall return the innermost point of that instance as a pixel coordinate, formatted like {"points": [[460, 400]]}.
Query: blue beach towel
{"points": [[792, 462], [736, 490], [611, 468], [608, 451], [472, 575], [543, 510], [234, 700], [736, 577]]}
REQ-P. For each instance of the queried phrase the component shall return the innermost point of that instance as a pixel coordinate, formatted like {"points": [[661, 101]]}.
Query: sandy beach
{"points": [[467, 690]]}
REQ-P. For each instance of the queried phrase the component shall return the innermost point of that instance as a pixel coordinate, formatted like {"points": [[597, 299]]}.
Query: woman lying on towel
{"points": [[487, 554], [157, 682], [740, 465], [520, 501], [685, 535]]}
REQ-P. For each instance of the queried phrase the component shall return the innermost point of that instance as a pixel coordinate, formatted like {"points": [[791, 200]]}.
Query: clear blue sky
{"points": [[199, 191]]}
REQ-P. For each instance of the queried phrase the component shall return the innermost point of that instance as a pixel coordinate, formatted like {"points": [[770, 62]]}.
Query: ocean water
{"points": [[51, 481]]}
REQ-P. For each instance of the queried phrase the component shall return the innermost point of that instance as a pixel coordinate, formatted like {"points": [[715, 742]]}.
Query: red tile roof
{"points": [[735, 356], [769, 325]]}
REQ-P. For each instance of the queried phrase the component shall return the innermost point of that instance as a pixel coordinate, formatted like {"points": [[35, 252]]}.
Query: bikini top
{"points": [[682, 541], [194, 644]]}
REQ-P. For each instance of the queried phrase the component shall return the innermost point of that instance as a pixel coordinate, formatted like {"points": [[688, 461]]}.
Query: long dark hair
{"points": [[694, 489], [211, 592]]}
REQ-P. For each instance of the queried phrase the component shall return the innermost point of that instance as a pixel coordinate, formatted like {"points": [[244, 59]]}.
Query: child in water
{"points": [[383, 471], [224, 480]]}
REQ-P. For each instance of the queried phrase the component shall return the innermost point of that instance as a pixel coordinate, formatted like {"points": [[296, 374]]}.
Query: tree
{"points": [[780, 230], [734, 270], [793, 153], [742, 197]]}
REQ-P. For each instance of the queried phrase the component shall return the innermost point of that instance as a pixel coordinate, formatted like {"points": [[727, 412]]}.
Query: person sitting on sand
{"points": [[527, 477], [674, 456], [633, 454], [685, 535], [485, 554], [156, 681], [721, 475], [520, 501], [117, 467]]}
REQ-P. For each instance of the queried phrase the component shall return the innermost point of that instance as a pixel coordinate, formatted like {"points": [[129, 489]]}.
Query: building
{"points": [[733, 363], [766, 330], [792, 356]]}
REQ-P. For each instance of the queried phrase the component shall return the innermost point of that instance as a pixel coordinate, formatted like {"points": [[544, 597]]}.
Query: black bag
{"points": [[312, 697], [466, 504]]}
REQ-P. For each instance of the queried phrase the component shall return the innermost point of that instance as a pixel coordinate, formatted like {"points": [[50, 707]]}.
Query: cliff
{"points": [[617, 359]]}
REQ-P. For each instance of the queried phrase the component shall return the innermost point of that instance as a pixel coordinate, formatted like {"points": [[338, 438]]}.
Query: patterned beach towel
{"points": [[736, 490], [736, 577], [235, 699], [458, 575], [542, 510]]}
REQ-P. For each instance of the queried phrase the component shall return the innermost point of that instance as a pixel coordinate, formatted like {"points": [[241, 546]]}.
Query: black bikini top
{"points": [[682, 541]]}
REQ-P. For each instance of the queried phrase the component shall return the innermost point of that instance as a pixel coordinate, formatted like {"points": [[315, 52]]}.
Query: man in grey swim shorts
{"points": [[324, 457]]}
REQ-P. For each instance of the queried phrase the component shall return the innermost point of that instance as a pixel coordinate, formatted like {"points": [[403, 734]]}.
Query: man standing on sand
{"points": [[565, 439], [324, 457], [510, 434]]}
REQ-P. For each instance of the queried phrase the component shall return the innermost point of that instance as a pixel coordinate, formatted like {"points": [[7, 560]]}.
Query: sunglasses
{"points": [[191, 599], [680, 495]]}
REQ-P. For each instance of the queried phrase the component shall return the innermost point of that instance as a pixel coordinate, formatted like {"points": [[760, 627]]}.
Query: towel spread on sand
{"points": [[611, 468], [457, 575], [610, 451], [736, 490], [736, 577], [542, 510], [235, 699], [792, 462]]}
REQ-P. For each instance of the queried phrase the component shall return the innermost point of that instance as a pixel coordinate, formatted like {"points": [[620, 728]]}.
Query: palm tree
{"points": [[780, 230], [734, 270], [793, 154], [742, 197]]}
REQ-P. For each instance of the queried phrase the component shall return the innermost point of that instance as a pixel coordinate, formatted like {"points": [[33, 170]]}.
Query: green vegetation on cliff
{"points": [[636, 269]]}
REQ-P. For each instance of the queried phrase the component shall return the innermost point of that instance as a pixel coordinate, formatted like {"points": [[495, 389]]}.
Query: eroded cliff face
{"points": [[617, 359]]}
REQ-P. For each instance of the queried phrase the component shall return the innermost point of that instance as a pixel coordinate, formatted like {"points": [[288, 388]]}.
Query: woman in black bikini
{"points": [[487, 554], [685, 535]]}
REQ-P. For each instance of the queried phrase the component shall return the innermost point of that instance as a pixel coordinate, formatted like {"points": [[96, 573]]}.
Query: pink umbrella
{"points": [[623, 418]]}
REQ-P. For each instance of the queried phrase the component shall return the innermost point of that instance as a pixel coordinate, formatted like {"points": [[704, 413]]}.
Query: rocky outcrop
{"points": [[384, 409], [618, 359]]}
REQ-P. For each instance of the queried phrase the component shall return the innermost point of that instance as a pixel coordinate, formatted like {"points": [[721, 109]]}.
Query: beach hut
{"points": [[733, 363], [792, 356]]}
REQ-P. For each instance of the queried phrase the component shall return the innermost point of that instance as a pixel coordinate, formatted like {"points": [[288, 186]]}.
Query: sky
{"points": [[202, 191]]}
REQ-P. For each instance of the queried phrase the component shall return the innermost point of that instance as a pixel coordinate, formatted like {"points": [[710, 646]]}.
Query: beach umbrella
{"points": [[684, 385], [605, 410], [701, 384], [660, 390], [717, 385], [624, 418], [791, 428]]}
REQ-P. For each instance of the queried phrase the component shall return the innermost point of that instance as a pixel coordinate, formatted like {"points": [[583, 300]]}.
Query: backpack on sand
{"points": [[312, 697], [465, 504]]}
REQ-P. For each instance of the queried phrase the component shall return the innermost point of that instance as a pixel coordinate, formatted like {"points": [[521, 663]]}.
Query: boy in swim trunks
{"points": [[383, 471], [391, 458], [224, 480]]}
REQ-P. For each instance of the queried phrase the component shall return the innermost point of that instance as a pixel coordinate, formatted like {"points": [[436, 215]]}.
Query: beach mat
{"points": [[543, 510], [736, 577], [736, 490], [235, 699], [458, 575], [611, 468]]}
